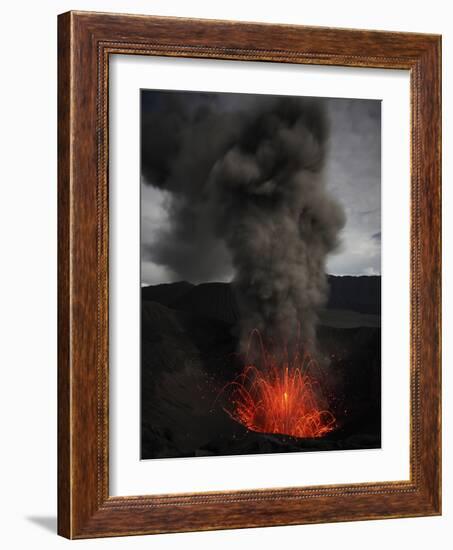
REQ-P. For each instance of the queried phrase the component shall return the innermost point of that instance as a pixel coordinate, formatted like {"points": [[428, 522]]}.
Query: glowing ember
{"points": [[281, 397]]}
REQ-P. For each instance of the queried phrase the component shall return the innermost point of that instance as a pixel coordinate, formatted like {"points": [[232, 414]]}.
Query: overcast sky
{"points": [[352, 171]]}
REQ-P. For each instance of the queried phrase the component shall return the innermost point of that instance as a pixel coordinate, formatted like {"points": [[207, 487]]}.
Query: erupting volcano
{"points": [[244, 199], [280, 396]]}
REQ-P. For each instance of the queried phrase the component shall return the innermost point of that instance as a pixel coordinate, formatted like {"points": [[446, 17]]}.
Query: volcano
{"points": [[189, 356]]}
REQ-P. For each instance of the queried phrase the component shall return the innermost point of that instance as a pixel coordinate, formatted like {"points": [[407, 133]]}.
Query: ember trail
{"points": [[279, 396]]}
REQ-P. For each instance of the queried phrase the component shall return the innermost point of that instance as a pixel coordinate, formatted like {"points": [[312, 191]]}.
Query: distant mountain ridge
{"points": [[356, 293], [361, 294]]}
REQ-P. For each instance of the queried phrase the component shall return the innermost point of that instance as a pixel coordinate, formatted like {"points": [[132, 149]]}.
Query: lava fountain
{"points": [[280, 396]]}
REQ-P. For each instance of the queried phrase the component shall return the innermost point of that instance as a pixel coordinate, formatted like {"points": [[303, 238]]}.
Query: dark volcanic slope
{"points": [[186, 360], [213, 300], [189, 354], [165, 294]]}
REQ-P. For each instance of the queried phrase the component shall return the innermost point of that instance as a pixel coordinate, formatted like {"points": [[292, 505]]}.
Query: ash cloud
{"points": [[183, 135], [246, 188]]}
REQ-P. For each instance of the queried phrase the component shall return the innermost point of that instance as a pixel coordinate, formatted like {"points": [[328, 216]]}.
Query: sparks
{"points": [[279, 397]]}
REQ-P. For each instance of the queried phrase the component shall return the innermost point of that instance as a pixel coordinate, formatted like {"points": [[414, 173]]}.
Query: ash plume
{"points": [[246, 188]]}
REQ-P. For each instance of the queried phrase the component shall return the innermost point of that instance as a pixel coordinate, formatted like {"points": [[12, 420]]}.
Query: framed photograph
{"points": [[249, 275]]}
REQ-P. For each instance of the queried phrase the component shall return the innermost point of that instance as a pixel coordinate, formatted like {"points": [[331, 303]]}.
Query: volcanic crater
{"points": [[189, 355]]}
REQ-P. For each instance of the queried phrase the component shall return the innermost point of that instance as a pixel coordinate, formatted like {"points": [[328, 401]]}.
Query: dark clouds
{"points": [[353, 173], [181, 142], [190, 251]]}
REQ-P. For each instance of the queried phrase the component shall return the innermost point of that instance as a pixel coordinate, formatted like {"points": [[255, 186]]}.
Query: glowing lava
{"points": [[280, 397]]}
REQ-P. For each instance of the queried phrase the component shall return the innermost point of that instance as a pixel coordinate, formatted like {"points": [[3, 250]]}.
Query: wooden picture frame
{"points": [[85, 42]]}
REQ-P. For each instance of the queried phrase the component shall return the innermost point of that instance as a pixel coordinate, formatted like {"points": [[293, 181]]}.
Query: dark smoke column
{"points": [[277, 220], [246, 182]]}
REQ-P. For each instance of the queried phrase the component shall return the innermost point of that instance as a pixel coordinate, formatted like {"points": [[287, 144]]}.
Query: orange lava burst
{"points": [[280, 397]]}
